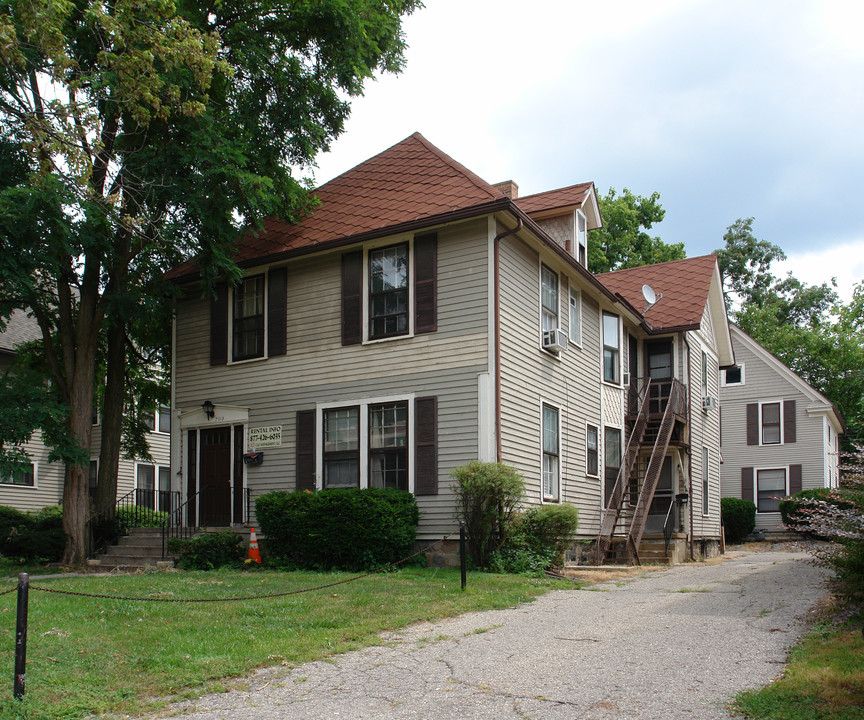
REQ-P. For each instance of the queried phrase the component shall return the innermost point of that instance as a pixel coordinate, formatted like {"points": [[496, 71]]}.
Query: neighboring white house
{"points": [[779, 435], [421, 318], [42, 483]]}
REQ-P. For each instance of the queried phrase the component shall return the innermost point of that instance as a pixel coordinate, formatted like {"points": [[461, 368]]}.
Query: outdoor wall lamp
{"points": [[682, 498], [209, 409]]}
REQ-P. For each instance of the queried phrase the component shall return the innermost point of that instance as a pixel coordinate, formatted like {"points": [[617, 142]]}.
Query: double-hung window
{"points": [[612, 459], [366, 445], [705, 478], [248, 319], [164, 423], [611, 348], [581, 239], [388, 445], [342, 447], [548, 298], [575, 317], [770, 489], [551, 454], [24, 476], [592, 450], [704, 374], [388, 291], [771, 426]]}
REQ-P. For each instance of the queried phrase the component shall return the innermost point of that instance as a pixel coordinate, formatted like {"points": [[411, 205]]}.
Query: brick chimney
{"points": [[509, 188]]}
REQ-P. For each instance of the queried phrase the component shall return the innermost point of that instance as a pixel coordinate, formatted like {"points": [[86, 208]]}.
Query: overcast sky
{"points": [[727, 109]]}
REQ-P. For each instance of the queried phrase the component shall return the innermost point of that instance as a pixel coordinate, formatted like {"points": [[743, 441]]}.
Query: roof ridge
{"points": [[477, 181], [558, 189], [655, 265]]}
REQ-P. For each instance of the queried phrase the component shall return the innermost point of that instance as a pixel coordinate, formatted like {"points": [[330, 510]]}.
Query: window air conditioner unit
{"points": [[709, 403], [554, 340]]}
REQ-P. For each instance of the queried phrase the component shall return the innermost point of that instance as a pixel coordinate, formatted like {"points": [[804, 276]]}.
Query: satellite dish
{"points": [[648, 294], [650, 297]]}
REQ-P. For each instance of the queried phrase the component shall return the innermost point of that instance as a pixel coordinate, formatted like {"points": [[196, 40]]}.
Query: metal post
{"points": [[21, 636], [462, 559]]}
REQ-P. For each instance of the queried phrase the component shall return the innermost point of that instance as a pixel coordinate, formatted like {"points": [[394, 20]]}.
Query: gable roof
{"points": [[688, 287], [823, 405], [408, 185], [684, 285], [572, 196], [21, 327]]}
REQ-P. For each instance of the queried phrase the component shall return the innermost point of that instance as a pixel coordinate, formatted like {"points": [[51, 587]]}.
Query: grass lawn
{"points": [[89, 655], [824, 680]]}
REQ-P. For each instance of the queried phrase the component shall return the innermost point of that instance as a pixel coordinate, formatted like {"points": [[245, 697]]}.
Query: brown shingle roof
{"points": [[20, 328], [552, 199], [411, 181], [684, 285]]}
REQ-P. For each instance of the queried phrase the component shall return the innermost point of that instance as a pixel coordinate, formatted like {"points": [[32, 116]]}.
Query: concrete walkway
{"points": [[674, 644]]}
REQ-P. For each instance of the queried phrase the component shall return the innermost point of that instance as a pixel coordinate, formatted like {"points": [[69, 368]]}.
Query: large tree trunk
{"points": [[112, 420]]}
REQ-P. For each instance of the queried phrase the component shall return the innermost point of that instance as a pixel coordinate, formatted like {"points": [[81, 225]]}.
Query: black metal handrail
{"points": [[668, 527], [137, 508], [186, 519]]}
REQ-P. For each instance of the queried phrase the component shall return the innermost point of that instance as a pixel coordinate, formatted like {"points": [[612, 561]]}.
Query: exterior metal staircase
{"points": [[630, 500]]}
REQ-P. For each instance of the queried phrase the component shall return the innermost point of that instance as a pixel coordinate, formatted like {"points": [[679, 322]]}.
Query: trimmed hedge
{"points": [[739, 518], [346, 529], [33, 536], [208, 551]]}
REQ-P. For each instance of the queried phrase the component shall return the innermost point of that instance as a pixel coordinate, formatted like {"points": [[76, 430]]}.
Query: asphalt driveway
{"points": [[675, 644]]}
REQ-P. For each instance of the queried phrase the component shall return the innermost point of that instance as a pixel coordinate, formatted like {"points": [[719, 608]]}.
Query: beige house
{"points": [[421, 318], [780, 435], [42, 483]]}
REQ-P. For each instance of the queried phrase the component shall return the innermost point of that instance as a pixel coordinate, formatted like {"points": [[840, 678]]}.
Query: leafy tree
{"points": [[138, 134], [805, 326], [623, 242]]}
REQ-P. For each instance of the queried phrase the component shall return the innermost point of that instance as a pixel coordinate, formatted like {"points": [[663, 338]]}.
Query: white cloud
{"points": [[845, 262]]}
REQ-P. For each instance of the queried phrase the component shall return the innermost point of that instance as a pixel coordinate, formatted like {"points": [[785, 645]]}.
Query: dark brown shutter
{"points": [[794, 479], [426, 283], [277, 312], [426, 446], [191, 475], [352, 298], [219, 326], [752, 423], [789, 428], [747, 483], [238, 475], [305, 450]]}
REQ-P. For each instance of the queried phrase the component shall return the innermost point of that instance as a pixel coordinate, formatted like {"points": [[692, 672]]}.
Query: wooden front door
{"points": [[215, 477], [658, 366]]}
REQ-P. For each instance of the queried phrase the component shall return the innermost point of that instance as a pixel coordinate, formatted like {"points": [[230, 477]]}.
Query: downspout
{"points": [[497, 291], [690, 452]]}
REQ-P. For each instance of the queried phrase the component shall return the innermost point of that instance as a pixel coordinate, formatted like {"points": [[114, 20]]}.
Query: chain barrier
{"points": [[7, 592], [244, 597]]}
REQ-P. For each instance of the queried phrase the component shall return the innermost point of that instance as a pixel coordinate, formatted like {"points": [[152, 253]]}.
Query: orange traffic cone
{"points": [[254, 555]]}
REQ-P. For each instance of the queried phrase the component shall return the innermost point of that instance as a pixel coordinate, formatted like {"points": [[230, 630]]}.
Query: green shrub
{"points": [[132, 516], [208, 551], [346, 529], [536, 540], [34, 536], [486, 495], [739, 518]]}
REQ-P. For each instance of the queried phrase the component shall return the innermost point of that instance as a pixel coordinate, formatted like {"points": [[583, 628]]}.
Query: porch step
{"points": [[141, 548]]}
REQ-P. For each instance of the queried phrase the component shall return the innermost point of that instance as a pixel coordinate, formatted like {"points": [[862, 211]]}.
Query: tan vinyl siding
{"points": [[704, 432], [318, 369], [531, 376], [49, 480], [763, 383]]}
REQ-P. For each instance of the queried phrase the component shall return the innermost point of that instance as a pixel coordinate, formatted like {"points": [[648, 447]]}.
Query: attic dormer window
{"points": [[581, 239]]}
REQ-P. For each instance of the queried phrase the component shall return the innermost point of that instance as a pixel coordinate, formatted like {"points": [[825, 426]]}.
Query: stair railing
{"points": [[675, 407], [668, 527], [609, 519], [177, 524]]}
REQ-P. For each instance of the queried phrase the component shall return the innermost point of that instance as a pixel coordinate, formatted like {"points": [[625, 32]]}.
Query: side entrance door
{"points": [[658, 361], [215, 477]]}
